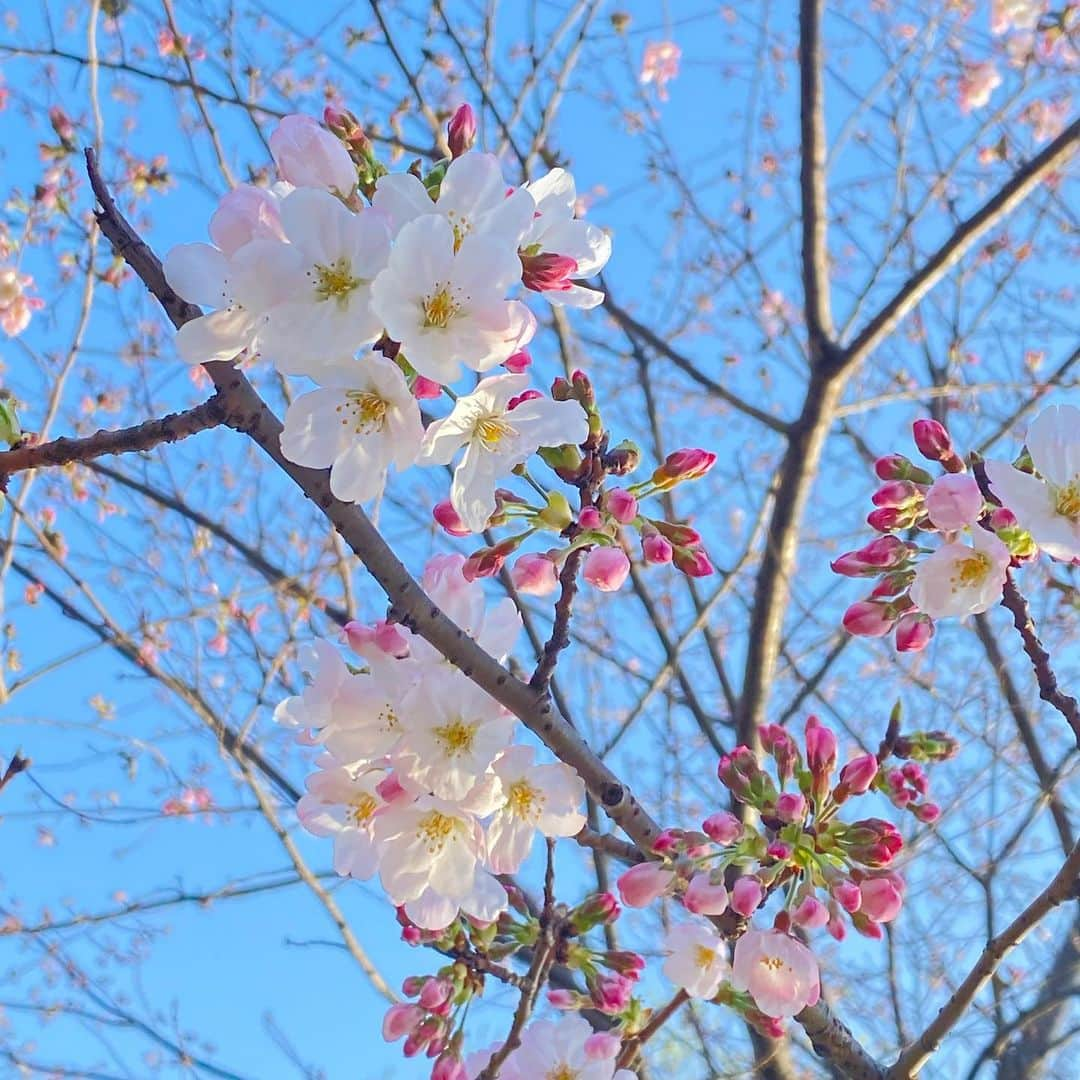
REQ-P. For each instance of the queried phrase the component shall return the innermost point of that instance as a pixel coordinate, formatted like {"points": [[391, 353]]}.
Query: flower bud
{"points": [[547, 272], [642, 884], [811, 914], [518, 363], [926, 746], [534, 575], [625, 962], [884, 553], [656, 548], [449, 1067], [692, 561], [872, 842], [401, 1020], [307, 155], [722, 828], [927, 813], [583, 389], [425, 389], [611, 993], [913, 632], [887, 518], [677, 533], [436, 994], [865, 618], [461, 131], [741, 774], [932, 440], [244, 214], [820, 747], [898, 467], [450, 520], [606, 568], [703, 897], [621, 505], [858, 774], [777, 741], [593, 911], [746, 896], [896, 493], [847, 894], [602, 1046], [688, 464], [590, 518], [622, 459], [954, 501], [562, 999], [565, 461], [557, 514], [488, 561], [882, 897], [791, 807]]}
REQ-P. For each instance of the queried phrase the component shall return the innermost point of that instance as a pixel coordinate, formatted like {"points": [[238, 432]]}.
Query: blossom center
{"points": [[456, 738], [368, 410], [434, 829], [703, 956], [1067, 500], [361, 808], [336, 281], [772, 963], [439, 309], [460, 226], [523, 799], [491, 431], [971, 571], [562, 1072]]}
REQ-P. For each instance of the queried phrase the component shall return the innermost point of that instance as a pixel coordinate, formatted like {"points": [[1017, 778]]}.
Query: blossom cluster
{"points": [[830, 871], [420, 781], [986, 525]]}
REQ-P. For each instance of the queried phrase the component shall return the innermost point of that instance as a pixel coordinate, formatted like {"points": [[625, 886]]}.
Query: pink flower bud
{"points": [[722, 827], [932, 439], [246, 213], [621, 505], [425, 389], [746, 896], [837, 928], [847, 894], [517, 363], [1003, 518], [445, 514], [954, 501], [449, 1067], [656, 548], [528, 395], [606, 568], [702, 897], [867, 619], [642, 884], [881, 898], [307, 155], [913, 632], [779, 850], [886, 518], [927, 813], [791, 807], [913, 773], [461, 131], [400, 1020], [858, 774], [561, 999], [693, 561], [666, 842], [811, 914], [435, 994], [602, 1046], [534, 575], [590, 518], [547, 272], [611, 993], [895, 493], [820, 746]]}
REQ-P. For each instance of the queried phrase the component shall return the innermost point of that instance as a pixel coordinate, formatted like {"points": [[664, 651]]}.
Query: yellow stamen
{"points": [[335, 282], [435, 829], [523, 799], [362, 807], [562, 1072], [972, 571], [491, 430], [773, 963], [456, 737], [703, 956], [368, 411], [1067, 500], [439, 309]]}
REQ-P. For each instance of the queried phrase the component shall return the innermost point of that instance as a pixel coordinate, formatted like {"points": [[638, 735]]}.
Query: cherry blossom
{"points": [[976, 85], [431, 864], [660, 64], [325, 276], [308, 155], [696, 961], [961, 579], [499, 430], [953, 501], [362, 420], [16, 307], [1047, 505], [1018, 14], [444, 300], [544, 798], [779, 972], [555, 230], [472, 198], [558, 1049]]}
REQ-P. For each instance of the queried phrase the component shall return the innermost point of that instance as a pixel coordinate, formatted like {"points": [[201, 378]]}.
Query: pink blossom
{"points": [[535, 575], [445, 514], [244, 214], [820, 746], [606, 568], [976, 85], [401, 1020], [722, 827], [621, 505], [954, 501], [656, 548], [779, 972], [561, 999], [882, 897], [612, 993], [642, 884], [590, 518], [746, 896], [518, 363], [811, 914], [927, 813], [602, 1046], [791, 806], [858, 774], [425, 389], [15, 306], [914, 632], [686, 464], [693, 561], [867, 619], [703, 897], [449, 1067], [660, 65], [307, 155], [548, 272]]}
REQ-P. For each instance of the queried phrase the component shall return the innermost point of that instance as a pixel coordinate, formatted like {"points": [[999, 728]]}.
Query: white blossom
{"points": [[1048, 505], [961, 579], [556, 1049], [531, 798], [362, 420], [497, 433], [696, 961], [445, 302]]}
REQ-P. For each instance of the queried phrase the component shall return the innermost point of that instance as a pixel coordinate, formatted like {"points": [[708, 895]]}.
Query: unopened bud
{"points": [[622, 459], [461, 131], [557, 514]]}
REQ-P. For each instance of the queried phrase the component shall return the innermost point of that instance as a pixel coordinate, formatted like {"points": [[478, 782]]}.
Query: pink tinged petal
{"points": [[199, 273], [487, 900], [402, 197], [221, 335], [313, 434], [1053, 440], [308, 155], [431, 910], [243, 214], [509, 842]]}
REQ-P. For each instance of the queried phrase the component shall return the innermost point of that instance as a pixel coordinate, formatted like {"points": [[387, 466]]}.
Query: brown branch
{"points": [[815, 253], [144, 436], [17, 764], [1065, 886], [560, 629], [658, 1019]]}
